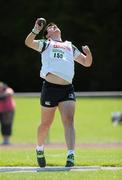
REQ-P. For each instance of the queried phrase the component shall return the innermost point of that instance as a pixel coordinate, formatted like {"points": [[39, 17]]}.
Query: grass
{"points": [[93, 125], [92, 121], [89, 175], [84, 157]]}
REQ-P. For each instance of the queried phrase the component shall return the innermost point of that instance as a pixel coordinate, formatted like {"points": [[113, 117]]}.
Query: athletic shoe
{"points": [[41, 158], [5, 142], [70, 160]]}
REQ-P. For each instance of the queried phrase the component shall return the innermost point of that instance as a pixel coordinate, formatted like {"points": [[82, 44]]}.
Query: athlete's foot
{"points": [[5, 142], [70, 161], [41, 158]]}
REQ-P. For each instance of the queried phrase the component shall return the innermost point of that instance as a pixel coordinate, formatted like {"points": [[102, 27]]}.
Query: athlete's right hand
{"points": [[37, 28]]}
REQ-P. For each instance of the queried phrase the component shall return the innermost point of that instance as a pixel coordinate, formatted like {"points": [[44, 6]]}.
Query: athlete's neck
{"points": [[56, 39]]}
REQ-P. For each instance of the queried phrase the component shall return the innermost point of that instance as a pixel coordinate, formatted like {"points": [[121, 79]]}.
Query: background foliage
{"points": [[95, 23]]}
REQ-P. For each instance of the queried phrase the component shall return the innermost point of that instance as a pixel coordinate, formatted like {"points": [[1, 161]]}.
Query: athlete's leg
{"points": [[6, 125], [47, 116], [67, 109]]}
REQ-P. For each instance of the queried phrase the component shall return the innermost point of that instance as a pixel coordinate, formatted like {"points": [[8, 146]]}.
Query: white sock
{"points": [[70, 152], [40, 148]]}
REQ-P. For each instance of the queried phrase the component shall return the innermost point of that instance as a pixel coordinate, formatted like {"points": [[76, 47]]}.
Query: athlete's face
{"points": [[53, 30]]}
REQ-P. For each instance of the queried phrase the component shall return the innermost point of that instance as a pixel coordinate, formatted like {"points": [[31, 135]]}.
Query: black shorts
{"points": [[53, 94]]}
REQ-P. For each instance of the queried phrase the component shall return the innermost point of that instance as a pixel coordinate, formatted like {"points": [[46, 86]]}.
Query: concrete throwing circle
{"points": [[56, 168]]}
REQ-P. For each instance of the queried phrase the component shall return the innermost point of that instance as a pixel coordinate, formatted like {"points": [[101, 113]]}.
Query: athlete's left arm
{"points": [[86, 58]]}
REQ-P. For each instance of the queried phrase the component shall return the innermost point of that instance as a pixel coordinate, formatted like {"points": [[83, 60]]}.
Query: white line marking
{"points": [[56, 168]]}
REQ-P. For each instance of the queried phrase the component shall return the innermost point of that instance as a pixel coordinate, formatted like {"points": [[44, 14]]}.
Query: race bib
{"points": [[57, 54]]}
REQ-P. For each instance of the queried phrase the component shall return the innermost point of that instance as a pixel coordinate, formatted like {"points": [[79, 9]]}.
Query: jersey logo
{"points": [[48, 103], [71, 96]]}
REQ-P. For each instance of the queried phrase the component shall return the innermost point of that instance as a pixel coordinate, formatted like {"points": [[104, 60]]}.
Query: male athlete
{"points": [[57, 91]]}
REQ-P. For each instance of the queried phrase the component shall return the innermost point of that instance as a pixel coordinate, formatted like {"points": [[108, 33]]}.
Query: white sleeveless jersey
{"points": [[58, 59]]}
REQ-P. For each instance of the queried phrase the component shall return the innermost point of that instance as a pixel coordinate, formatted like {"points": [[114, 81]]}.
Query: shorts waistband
{"points": [[56, 85]]}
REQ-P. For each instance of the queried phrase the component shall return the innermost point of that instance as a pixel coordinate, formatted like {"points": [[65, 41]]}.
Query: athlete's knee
{"points": [[69, 121], [45, 124]]}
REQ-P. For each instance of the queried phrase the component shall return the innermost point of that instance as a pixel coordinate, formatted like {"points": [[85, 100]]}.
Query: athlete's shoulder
{"points": [[68, 41], [45, 44], [42, 40]]}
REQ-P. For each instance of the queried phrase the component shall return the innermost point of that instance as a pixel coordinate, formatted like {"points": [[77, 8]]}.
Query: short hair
{"points": [[45, 29]]}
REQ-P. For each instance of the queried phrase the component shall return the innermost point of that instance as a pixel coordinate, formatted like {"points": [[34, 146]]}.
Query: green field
{"points": [[92, 121], [93, 125]]}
